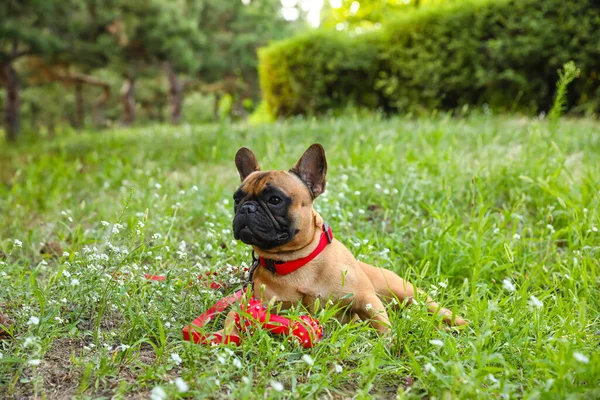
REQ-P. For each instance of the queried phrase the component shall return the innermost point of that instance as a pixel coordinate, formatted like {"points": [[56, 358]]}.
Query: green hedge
{"points": [[505, 53]]}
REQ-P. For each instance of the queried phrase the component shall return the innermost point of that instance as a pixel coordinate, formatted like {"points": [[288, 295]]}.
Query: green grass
{"points": [[456, 206]]}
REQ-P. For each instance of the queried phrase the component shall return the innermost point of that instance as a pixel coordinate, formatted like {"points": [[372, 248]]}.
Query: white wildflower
{"points": [[124, 347], [237, 363], [157, 185], [141, 224], [182, 386], [338, 368], [496, 230], [534, 302], [74, 282], [429, 368], [105, 223], [34, 362], [158, 393], [67, 273], [508, 285], [437, 342], [308, 359], [443, 284], [581, 357], [550, 228], [117, 228], [516, 236], [594, 229], [277, 386], [18, 243], [195, 188], [33, 320], [492, 378], [369, 307], [377, 186], [175, 357], [28, 342]]}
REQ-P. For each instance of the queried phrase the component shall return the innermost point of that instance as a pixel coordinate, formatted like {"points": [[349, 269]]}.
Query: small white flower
{"points": [[534, 302], [377, 186], [508, 285], [175, 357], [157, 185], [443, 284], [308, 359], [18, 243], [338, 368], [141, 224], [581, 357], [429, 368], [182, 386], [156, 236], [369, 307], [437, 342], [496, 230], [28, 341], [594, 229], [237, 363], [516, 236], [492, 378], [158, 393], [550, 228], [124, 347], [277, 386], [74, 282], [195, 188], [34, 362], [66, 273], [33, 320], [105, 223], [117, 228]]}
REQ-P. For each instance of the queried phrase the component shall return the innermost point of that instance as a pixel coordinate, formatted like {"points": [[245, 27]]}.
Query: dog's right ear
{"points": [[246, 162]]}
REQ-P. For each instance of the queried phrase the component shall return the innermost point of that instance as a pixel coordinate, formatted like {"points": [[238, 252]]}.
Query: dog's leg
{"points": [[389, 285], [370, 308]]}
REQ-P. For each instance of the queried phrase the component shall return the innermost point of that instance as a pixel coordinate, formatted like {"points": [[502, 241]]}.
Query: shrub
{"points": [[505, 53]]}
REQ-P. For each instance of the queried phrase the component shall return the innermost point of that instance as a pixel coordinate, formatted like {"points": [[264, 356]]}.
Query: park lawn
{"points": [[496, 217]]}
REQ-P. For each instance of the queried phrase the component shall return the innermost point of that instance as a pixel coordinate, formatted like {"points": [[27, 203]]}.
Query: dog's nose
{"points": [[248, 208]]}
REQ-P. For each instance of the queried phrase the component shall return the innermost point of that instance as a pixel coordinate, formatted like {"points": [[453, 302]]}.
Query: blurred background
{"points": [[71, 65]]}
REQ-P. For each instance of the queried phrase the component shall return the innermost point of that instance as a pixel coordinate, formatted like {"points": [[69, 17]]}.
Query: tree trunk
{"points": [[12, 108], [79, 106], [99, 119], [128, 101], [175, 95]]}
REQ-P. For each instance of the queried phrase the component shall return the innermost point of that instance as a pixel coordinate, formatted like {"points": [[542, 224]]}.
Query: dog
{"points": [[300, 261]]}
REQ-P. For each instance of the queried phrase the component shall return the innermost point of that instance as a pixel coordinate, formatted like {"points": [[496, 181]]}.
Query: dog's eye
{"points": [[274, 200]]}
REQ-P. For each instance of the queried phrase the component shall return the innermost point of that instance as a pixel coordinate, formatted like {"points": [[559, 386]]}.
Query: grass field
{"points": [[497, 218]]}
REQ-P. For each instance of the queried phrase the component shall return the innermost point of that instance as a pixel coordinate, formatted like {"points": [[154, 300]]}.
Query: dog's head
{"points": [[274, 209]]}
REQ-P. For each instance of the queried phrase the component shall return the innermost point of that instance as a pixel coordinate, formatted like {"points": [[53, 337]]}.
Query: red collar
{"points": [[290, 266]]}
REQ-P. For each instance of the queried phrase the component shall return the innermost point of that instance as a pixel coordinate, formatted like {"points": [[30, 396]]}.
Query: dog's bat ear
{"points": [[312, 168], [246, 162]]}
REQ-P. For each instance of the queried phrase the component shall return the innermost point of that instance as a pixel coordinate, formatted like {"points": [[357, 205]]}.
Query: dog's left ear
{"points": [[312, 168]]}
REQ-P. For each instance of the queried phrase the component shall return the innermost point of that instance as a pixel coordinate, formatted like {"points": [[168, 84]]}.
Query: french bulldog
{"points": [[300, 261]]}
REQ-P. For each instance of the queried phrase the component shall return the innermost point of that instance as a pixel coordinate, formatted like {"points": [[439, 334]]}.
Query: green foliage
{"points": [[503, 53], [566, 75], [318, 71], [369, 14], [455, 206]]}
